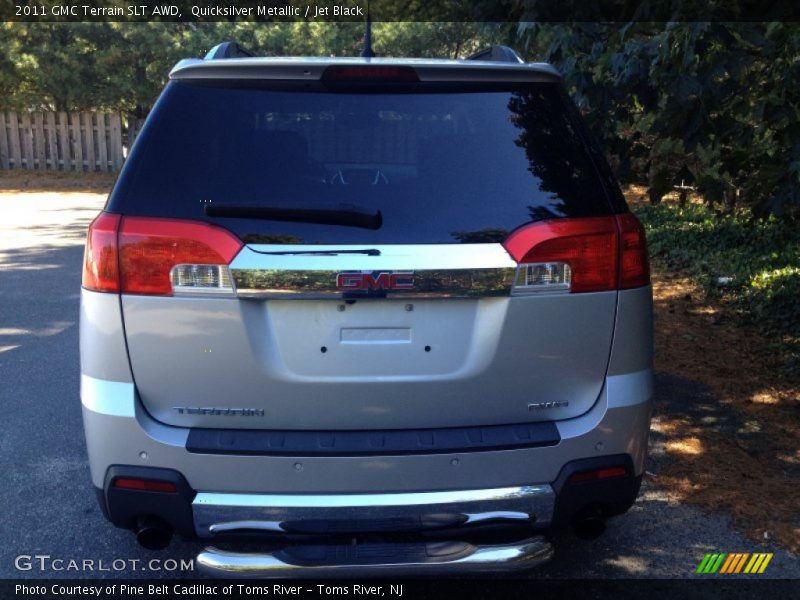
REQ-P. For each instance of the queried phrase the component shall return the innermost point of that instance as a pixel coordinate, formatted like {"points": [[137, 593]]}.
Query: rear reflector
{"points": [[598, 475], [145, 485], [149, 249], [100, 258], [579, 255], [369, 74]]}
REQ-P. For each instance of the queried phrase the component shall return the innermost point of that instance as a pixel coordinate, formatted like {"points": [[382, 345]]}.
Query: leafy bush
{"points": [[752, 264]]}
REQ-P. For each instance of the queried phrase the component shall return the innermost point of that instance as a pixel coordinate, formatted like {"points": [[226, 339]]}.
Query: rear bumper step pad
{"points": [[432, 558], [374, 442]]}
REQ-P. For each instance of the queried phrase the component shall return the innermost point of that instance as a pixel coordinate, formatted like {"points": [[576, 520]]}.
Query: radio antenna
{"points": [[367, 51]]}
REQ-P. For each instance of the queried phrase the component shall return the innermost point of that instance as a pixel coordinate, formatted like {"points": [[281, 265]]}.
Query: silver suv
{"points": [[375, 314]]}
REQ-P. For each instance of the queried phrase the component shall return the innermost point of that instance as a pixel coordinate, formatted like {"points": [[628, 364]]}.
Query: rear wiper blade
{"points": [[345, 216], [367, 251]]}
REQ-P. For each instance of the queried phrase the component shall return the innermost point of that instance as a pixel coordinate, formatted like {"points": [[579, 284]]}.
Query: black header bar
{"points": [[399, 10]]}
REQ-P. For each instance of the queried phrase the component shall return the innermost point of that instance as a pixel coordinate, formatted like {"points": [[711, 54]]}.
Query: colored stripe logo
{"points": [[737, 562]]}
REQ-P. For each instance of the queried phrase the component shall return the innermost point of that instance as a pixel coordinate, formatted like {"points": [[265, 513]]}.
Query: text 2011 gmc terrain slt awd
{"points": [[389, 315]]}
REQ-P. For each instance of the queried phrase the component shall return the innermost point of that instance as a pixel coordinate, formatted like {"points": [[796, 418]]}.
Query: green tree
{"points": [[711, 101], [51, 65], [123, 66]]}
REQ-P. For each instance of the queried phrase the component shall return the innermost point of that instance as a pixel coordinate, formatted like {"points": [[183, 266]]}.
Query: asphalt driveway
{"points": [[48, 503]]}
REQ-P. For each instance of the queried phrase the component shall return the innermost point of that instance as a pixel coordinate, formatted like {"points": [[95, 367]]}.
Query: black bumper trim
{"points": [[123, 506], [371, 443], [610, 496], [613, 496]]}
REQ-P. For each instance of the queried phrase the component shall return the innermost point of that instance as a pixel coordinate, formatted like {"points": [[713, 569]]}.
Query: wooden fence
{"points": [[60, 141]]}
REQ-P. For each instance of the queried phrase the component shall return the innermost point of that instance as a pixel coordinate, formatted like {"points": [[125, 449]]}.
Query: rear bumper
{"points": [[335, 491], [211, 515], [120, 432]]}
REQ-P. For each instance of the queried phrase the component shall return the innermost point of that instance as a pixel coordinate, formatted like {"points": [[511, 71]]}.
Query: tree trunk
{"points": [[731, 195]]}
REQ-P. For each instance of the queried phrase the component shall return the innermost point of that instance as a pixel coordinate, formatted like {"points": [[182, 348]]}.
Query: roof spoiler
{"points": [[493, 53], [228, 50], [497, 54]]}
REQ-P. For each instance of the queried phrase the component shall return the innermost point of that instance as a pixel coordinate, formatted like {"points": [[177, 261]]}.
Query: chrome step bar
{"points": [[432, 558]]}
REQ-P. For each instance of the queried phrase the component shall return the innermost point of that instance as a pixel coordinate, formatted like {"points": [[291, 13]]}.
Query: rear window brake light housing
{"points": [[369, 74]]}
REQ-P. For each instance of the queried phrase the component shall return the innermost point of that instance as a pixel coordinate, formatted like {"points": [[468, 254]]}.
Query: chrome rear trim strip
{"points": [[425, 559], [465, 283], [338, 513], [423, 271]]}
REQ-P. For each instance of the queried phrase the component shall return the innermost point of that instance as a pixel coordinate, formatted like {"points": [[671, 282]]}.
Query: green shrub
{"points": [[761, 258]]}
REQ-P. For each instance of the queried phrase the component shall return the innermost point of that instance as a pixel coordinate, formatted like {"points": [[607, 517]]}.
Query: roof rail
{"points": [[497, 53], [228, 50]]}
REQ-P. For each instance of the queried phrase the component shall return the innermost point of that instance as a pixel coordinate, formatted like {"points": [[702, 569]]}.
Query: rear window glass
{"points": [[440, 166]]}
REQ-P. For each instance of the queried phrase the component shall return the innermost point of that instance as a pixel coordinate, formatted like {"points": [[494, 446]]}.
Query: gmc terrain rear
{"points": [[392, 300]]}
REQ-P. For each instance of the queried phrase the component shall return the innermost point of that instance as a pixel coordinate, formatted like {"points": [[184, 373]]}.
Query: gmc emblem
{"points": [[353, 282]]}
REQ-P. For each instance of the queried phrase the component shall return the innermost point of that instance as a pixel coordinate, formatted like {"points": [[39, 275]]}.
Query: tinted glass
{"points": [[440, 166]]}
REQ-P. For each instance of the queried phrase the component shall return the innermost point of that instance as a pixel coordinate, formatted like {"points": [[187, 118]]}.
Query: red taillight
{"points": [[587, 245], [603, 253], [145, 485], [598, 474], [369, 73], [150, 247], [634, 268], [101, 259], [135, 255]]}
